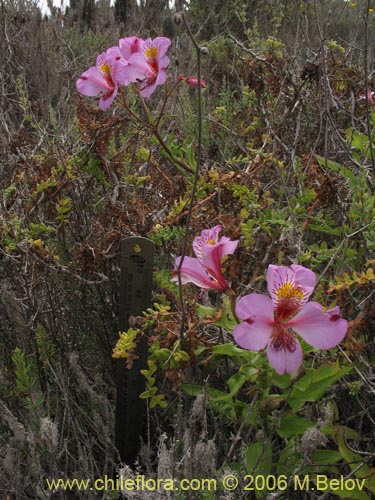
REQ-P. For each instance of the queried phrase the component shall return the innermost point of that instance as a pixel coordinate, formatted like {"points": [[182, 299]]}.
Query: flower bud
{"points": [[193, 82]]}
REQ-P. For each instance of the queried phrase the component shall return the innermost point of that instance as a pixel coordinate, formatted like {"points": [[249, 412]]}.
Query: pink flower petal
{"points": [[211, 254], [146, 65], [162, 44], [107, 99], [228, 246], [164, 62], [276, 276], [320, 330], [257, 311], [110, 56], [255, 306], [161, 78], [91, 82], [283, 360], [211, 260], [305, 278], [210, 236], [119, 73], [137, 68], [290, 287], [193, 81], [250, 338], [129, 46], [192, 271], [148, 89]]}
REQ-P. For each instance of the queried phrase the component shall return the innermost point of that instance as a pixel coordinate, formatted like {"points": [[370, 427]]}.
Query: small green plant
{"points": [[25, 371]]}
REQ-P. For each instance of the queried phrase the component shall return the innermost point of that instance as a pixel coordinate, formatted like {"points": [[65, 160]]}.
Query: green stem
{"points": [[155, 129], [232, 297], [166, 148]]}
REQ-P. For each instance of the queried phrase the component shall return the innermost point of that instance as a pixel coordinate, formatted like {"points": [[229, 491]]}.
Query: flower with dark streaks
{"points": [[272, 323], [205, 270]]}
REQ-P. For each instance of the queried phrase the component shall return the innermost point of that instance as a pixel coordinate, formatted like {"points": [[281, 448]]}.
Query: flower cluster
{"points": [[134, 60], [267, 322]]}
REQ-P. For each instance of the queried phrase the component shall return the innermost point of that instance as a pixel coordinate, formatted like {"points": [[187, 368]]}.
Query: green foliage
{"points": [[313, 385], [37, 230], [46, 348], [78, 189], [182, 151], [126, 343], [162, 235], [63, 208], [9, 190], [151, 391], [88, 163], [366, 278], [24, 102], [26, 380], [162, 278]]}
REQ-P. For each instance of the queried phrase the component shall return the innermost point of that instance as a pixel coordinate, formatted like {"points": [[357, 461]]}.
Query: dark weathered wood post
{"points": [[137, 258]]}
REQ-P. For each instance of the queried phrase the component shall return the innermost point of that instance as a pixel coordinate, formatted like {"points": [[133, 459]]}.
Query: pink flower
{"points": [[148, 64], [104, 78], [370, 97], [205, 269], [191, 80], [130, 45], [273, 322]]}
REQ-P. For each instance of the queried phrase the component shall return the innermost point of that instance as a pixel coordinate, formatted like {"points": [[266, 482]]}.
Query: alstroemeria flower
{"points": [[148, 65], [130, 45], [273, 322], [104, 78], [205, 270], [191, 80], [370, 97]]}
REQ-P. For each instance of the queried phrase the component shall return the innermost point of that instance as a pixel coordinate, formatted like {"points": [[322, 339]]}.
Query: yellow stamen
{"points": [[151, 52], [105, 68], [211, 242], [289, 290]]}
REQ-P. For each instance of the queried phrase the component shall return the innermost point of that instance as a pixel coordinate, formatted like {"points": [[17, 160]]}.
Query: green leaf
{"points": [[292, 425], [303, 383], [9, 190], [353, 459], [229, 350], [204, 311], [336, 167], [158, 400], [314, 384], [289, 458], [259, 458], [282, 381], [235, 382], [192, 389], [353, 494], [326, 457], [336, 231]]}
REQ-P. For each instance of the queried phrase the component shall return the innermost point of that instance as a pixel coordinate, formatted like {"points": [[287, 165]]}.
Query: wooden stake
{"points": [[137, 259]]}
